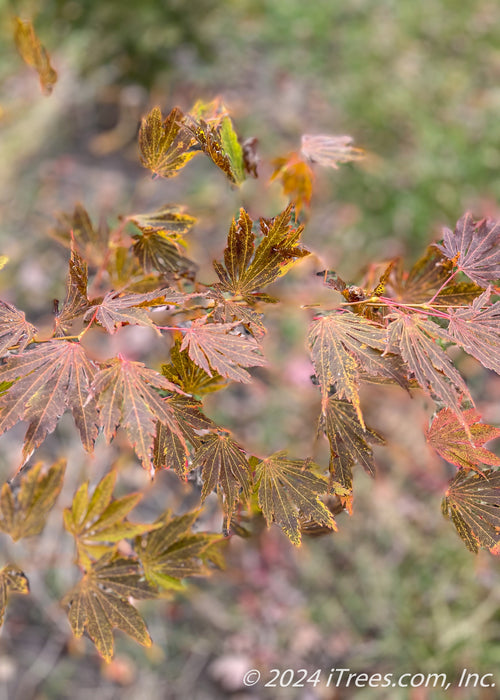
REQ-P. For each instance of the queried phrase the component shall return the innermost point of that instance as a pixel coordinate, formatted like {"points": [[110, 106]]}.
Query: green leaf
{"points": [[233, 150], [12, 580], [26, 502]]}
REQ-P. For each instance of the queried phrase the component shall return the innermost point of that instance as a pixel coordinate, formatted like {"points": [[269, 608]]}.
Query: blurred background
{"points": [[417, 86]]}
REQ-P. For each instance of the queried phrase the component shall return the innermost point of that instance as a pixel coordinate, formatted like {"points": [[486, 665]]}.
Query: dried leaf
{"points": [[128, 397], [248, 268], [14, 328], [99, 523], [473, 503], [165, 145], [476, 329], [450, 440], [49, 379], [475, 248], [416, 339], [289, 489], [99, 603], [339, 344], [223, 465], [25, 505], [329, 151], [213, 347], [34, 54], [12, 580], [171, 552]]}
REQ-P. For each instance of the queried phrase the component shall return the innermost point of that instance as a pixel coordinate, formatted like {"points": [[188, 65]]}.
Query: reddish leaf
{"points": [[14, 328], [117, 308], [339, 343], [191, 378], [450, 440], [212, 346], [76, 229], [475, 247], [50, 378], [128, 397], [473, 503], [476, 329], [329, 151], [416, 338], [76, 302]]}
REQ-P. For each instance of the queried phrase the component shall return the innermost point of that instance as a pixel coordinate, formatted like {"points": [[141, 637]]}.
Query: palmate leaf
{"points": [[475, 248], [25, 505], [296, 178], [476, 329], [157, 252], [77, 230], [289, 489], [170, 451], [329, 151], [171, 552], [191, 378], [227, 311], [472, 502], [128, 397], [219, 141], [450, 440], [213, 347], [224, 466], [14, 328], [48, 379], [339, 344], [76, 302], [100, 602], [117, 308], [349, 442], [99, 522], [12, 580], [170, 218], [34, 54], [248, 268], [416, 339], [165, 145]]}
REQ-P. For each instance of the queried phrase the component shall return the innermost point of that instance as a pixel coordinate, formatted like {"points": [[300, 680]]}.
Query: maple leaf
{"points": [[34, 54], [223, 464], [170, 218], [347, 438], [99, 602], [14, 328], [248, 268], [165, 145], [416, 340], [329, 151], [191, 378], [450, 440], [219, 141], [475, 247], [169, 449], [156, 251], [98, 523], [76, 302], [24, 507], [472, 502], [48, 379], [77, 230], [296, 178], [288, 489], [118, 308], [227, 310], [476, 329], [339, 344], [171, 552], [128, 397], [214, 348], [12, 580]]}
